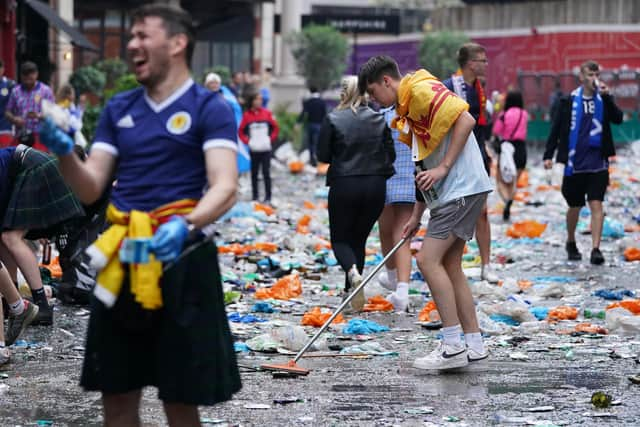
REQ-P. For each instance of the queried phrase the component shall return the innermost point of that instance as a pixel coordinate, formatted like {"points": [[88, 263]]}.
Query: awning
{"points": [[77, 38]]}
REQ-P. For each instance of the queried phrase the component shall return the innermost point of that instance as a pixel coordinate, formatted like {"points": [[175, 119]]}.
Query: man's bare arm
{"points": [[222, 174], [88, 179]]}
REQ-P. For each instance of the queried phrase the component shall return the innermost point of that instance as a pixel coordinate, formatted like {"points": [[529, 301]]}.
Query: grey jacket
{"points": [[356, 144]]}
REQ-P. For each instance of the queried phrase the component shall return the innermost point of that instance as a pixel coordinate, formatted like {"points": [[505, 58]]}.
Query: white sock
{"points": [[392, 275], [1, 344], [17, 308], [451, 335], [402, 290], [474, 341]]}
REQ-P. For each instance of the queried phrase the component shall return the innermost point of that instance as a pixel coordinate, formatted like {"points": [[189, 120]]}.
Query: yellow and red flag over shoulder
{"points": [[426, 111]]}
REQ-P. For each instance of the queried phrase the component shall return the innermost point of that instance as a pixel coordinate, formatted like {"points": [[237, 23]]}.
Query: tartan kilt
{"points": [[40, 199], [185, 348]]}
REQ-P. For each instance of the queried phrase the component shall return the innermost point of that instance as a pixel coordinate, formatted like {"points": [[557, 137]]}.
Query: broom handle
{"points": [[341, 307]]}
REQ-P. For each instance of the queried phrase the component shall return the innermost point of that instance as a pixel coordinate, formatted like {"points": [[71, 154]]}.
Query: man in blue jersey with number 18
{"points": [[170, 146]]}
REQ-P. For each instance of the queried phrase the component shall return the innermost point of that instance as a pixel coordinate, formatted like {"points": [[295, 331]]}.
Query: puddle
{"points": [[536, 381]]}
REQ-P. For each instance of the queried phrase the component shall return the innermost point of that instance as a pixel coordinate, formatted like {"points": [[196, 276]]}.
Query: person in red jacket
{"points": [[258, 130]]}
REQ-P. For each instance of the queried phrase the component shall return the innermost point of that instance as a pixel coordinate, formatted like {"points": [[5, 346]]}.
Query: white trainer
{"points": [[475, 356], [383, 279], [488, 274], [443, 357], [400, 304], [358, 301]]}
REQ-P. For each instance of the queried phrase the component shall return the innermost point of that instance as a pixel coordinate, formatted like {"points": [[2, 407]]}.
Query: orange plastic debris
{"points": [[266, 246], [591, 329], [308, 205], [429, 313], [303, 224], [285, 288], [632, 254], [296, 166], [54, 268], [264, 208], [524, 284], [562, 313], [526, 229], [378, 303], [523, 181], [632, 305], [234, 248], [521, 196], [322, 244], [315, 317]]}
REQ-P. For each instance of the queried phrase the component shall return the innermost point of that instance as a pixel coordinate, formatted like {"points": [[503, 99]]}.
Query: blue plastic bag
{"points": [[363, 327]]}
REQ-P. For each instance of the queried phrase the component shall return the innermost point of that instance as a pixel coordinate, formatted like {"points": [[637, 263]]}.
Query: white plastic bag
{"points": [[507, 165]]}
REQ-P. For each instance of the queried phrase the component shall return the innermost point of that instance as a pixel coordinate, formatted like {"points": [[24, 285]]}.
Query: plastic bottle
{"points": [[591, 313]]}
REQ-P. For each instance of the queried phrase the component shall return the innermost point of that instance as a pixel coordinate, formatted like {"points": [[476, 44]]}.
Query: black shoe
{"points": [[506, 212], [596, 257], [45, 315], [573, 252]]}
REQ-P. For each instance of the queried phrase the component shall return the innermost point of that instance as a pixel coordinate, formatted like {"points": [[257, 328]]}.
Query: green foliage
{"points": [[221, 70], [113, 69], [320, 52], [92, 113], [123, 83], [90, 121], [438, 52], [287, 122], [88, 80]]}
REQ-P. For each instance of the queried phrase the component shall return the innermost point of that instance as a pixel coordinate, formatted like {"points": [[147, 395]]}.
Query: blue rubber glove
{"points": [[54, 138], [169, 238]]}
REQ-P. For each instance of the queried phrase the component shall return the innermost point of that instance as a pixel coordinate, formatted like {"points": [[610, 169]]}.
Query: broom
{"points": [[291, 366]]}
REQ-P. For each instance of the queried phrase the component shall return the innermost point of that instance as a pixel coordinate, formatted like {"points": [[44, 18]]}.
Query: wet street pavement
{"points": [[541, 372]]}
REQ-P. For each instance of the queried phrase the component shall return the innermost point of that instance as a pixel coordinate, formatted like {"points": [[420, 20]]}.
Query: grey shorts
{"points": [[457, 216]]}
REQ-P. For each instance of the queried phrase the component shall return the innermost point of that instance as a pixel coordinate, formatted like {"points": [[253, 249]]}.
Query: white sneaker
{"points": [[400, 304], [5, 356], [443, 357], [383, 279], [358, 301], [488, 274], [475, 356]]}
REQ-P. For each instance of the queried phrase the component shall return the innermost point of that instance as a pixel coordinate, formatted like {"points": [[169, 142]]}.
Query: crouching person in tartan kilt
{"points": [[171, 147], [34, 202]]}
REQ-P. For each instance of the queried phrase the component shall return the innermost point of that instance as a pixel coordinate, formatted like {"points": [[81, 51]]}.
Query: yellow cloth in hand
{"points": [[426, 111], [104, 253]]}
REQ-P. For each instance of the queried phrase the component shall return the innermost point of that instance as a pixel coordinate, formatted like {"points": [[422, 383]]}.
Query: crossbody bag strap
{"points": [[517, 125]]}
